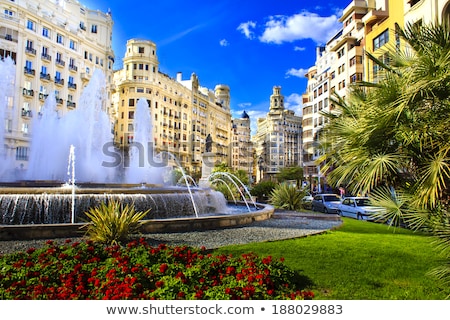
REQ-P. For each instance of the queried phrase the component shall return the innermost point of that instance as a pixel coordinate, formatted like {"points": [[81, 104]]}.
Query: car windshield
{"points": [[330, 198], [363, 202]]}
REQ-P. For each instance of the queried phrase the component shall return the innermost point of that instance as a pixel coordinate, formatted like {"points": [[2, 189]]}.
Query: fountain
{"points": [[7, 70], [51, 199]]}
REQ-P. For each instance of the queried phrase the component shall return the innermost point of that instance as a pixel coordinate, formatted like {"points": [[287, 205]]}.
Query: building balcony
{"points": [[46, 57], [31, 51], [59, 82], [73, 68], [42, 96], [29, 71], [59, 100], [28, 92], [60, 63], [71, 104], [72, 85], [26, 113], [374, 16], [45, 76], [85, 76]]}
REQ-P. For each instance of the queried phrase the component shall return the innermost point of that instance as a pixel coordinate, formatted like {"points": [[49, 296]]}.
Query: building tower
{"points": [[278, 139]]}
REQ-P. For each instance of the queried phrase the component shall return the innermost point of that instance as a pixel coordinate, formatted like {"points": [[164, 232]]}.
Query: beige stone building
{"points": [[183, 112], [278, 139], [242, 151], [56, 46]]}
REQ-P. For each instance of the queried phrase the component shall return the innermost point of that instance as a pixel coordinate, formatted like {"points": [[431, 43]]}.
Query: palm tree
{"points": [[392, 138]]}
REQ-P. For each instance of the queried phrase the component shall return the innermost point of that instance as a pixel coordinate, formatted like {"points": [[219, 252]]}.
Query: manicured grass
{"points": [[360, 260]]}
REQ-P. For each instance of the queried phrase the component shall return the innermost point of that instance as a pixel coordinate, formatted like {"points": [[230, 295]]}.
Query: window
{"points": [[25, 128], [22, 153], [45, 32], [141, 49], [72, 45], [7, 53], [381, 40], [30, 25], [71, 80], [131, 102], [341, 52], [94, 28], [356, 77], [59, 38], [355, 60]]}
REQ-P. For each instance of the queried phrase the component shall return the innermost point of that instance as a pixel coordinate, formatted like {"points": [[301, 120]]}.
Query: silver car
{"points": [[360, 208], [327, 203]]}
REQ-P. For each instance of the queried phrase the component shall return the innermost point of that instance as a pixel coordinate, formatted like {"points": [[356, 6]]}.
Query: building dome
{"points": [[245, 115]]}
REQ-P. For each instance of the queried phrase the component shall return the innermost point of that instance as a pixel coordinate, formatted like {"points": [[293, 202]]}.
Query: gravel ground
{"points": [[283, 225]]}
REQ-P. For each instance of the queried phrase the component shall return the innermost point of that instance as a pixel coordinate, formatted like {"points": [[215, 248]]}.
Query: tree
{"points": [[290, 173], [392, 138]]}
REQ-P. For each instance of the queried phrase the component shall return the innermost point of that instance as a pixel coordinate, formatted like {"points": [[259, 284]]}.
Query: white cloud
{"points": [[306, 25], [247, 29], [224, 43], [297, 48], [294, 102], [244, 105], [300, 73]]}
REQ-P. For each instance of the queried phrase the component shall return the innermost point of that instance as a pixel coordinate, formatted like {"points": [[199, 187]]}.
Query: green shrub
{"points": [[113, 223], [286, 197], [263, 188]]}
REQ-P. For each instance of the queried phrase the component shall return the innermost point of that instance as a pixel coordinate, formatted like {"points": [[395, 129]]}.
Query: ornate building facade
{"points": [[278, 139], [55, 46], [183, 112]]}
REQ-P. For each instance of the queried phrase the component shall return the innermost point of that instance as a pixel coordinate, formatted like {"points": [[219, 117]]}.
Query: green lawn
{"points": [[360, 260]]}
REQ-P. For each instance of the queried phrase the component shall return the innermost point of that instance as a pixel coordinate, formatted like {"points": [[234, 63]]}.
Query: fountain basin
{"points": [[52, 205], [67, 230]]}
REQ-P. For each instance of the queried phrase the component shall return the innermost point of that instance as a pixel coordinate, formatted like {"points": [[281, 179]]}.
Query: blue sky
{"points": [[250, 45]]}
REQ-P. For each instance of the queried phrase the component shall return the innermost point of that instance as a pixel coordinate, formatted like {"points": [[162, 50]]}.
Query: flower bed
{"points": [[87, 270]]}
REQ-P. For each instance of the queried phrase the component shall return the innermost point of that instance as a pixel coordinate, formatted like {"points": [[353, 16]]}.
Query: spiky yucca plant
{"points": [[113, 223], [287, 197]]}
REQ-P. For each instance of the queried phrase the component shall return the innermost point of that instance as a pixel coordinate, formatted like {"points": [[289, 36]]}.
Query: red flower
{"points": [[199, 294], [159, 284], [31, 250], [267, 260], [163, 267]]}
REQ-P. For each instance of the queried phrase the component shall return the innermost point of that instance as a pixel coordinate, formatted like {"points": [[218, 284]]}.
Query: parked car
{"points": [[307, 201], [327, 203], [359, 208]]}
